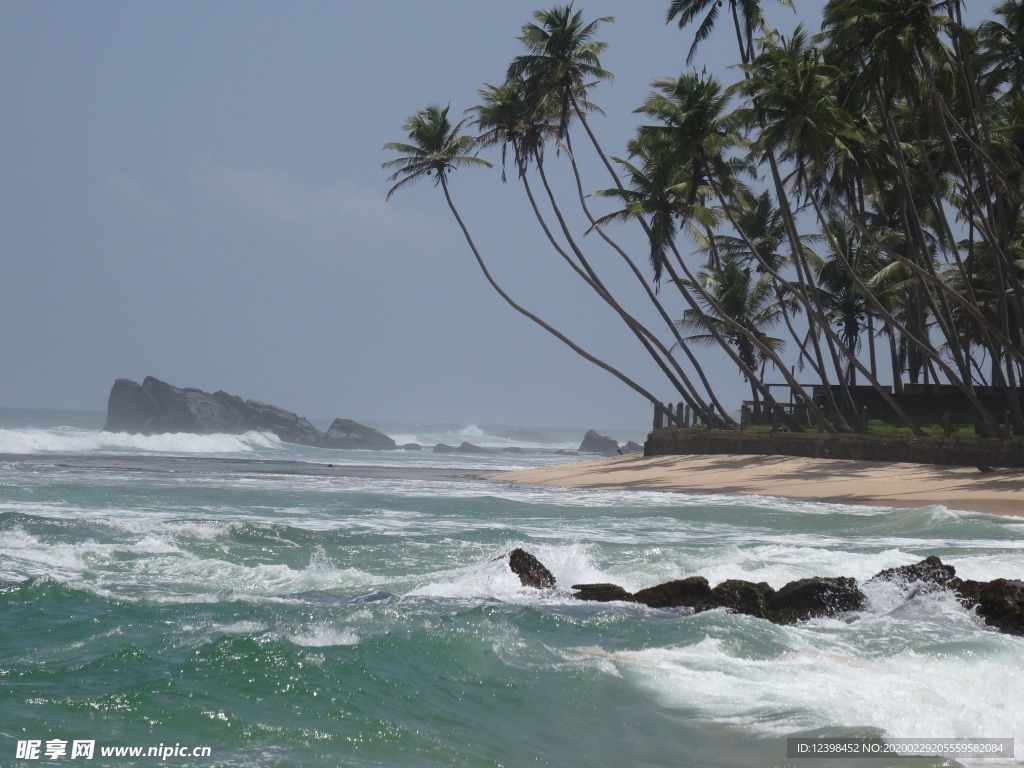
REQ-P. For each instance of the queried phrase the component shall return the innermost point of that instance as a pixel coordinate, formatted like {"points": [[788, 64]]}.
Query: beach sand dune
{"points": [[846, 482]]}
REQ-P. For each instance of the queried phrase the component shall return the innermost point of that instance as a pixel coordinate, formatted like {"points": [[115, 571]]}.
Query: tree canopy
{"points": [[856, 195]]}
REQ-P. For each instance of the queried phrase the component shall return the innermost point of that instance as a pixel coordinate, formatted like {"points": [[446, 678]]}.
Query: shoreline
{"points": [[838, 481]]}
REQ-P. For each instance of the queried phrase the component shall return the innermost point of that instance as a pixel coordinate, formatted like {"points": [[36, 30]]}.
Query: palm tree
{"points": [[516, 114], [563, 60], [743, 309], [748, 20], [761, 220], [692, 118], [435, 149], [848, 307]]}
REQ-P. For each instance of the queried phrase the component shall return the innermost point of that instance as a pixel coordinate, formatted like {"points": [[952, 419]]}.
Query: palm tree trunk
{"points": [[647, 339], [639, 276], [526, 313]]}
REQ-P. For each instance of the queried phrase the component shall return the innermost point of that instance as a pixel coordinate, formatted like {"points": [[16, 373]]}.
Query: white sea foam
{"points": [[73, 440], [493, 580], [907, 693], [322, 635]]}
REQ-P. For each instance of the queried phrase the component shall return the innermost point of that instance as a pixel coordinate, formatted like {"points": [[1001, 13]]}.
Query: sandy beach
{"points": [[848, 482]]}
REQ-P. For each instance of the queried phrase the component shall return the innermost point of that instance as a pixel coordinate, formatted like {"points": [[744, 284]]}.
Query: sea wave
{"points": [[74, 440]]}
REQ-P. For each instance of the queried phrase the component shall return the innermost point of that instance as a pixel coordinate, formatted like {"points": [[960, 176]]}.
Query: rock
{"points": [[209, 414], [742, 597], [601, 593], [931, 569], [470, 448], [286, 425], [155, 407], [131, 408], [595, 443], [815, 597], [632, 447], [692, 592], [1000, 602], [512, 449], [566, 452], [442, 448], [412, 447], [348, 434], [530, 570]]}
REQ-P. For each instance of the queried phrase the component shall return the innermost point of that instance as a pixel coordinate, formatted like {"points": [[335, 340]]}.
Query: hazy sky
{"points": [[193, 190]]}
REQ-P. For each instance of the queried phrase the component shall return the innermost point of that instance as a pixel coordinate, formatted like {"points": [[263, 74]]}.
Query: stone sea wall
{"points": [[983, 452]]}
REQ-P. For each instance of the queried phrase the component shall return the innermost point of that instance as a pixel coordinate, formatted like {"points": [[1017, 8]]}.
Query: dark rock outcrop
{"points": [[999, 602], [444, 448], [931, 570], [632, 447], [131, 408], [155, 406], [350, 435], [413, 447], [467, 447], [812, 598], [601, 593], [691, 592], [742, 596], [285, 424], [530, 570], [595, 443]]}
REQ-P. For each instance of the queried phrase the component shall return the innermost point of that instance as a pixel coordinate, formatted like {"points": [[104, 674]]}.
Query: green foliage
{"points": [[886, 429], [855, 201]]}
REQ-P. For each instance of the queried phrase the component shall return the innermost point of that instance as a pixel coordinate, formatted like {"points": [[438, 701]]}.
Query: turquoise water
{"points": [[235, 593]]}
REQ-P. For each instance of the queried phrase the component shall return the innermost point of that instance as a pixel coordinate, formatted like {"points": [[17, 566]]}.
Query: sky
{"points": [[194, 191]]}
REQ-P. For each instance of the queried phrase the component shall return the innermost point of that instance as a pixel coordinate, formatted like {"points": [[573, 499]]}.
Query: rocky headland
{"points": [[156, 407]]}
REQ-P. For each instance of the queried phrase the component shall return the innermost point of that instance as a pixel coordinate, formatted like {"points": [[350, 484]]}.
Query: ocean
{"points": [[231, 600]]}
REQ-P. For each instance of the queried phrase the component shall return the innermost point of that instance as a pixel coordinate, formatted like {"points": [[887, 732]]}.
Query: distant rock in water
{"points": [[467, 447], [444, 448], [345, 433], [156, 407], [595, 443]]}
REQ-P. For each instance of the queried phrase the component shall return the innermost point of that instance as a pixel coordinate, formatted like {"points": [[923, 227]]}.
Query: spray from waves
{"points": [[431, 435], [910, 693], [492, 579], [73, 440]]}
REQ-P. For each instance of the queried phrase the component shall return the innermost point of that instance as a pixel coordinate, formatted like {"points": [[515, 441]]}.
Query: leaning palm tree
{"points": [[519, 116], [435, 148], [691, 116]]}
